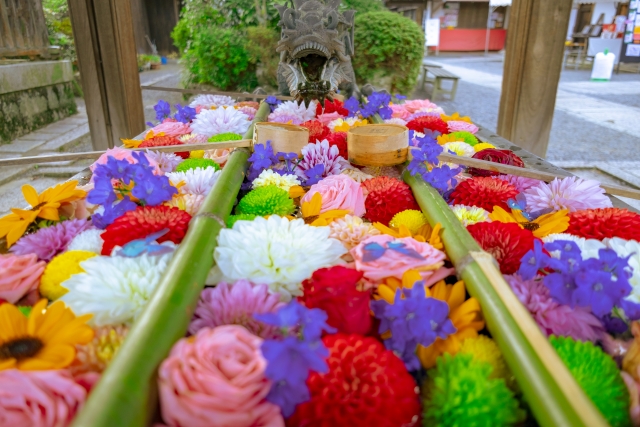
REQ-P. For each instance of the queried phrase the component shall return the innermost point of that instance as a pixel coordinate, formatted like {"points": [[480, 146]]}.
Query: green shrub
{"points": [[262, 43], [362, 6], [389, 48], [219, 57]]}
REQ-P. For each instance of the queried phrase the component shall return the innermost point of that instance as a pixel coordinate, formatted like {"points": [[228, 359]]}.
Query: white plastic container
{"points": [[603, 66]]}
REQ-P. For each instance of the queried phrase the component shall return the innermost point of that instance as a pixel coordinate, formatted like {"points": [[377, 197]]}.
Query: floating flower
{"points": [[196, 181], [317, 131], [311, 211], [114, 289], [387, 197], [124, 154], [88, 240], [343, 125], [424, 234], [359, 363], [467, 137], [459, 148], [321, 153], [194, 138], [504, 157], [190, 203], [415, 105], [351, 230], [357, 175], [275, 251], [484, 349], [285, 117], [628, 249], [483, 192], [551, 223], [269, 177], [300, 113], [483, 146], [432, 123], [455, 117], [19, 275], [521, 183], [410, 218], [145, 220], [235, 304], [269, 200], [189, 164], [96, 355], [219, 155], [50, 241], [215, 101], [221, 120], [338, 192], [44, 340], [459, 125], [470, 214], [61, 268], [219, 374], [249, 111], [171, 128], [396, 121], [167, 162], [506, 242], [399, 111], [327, 118], [602, 223], [39, 398], [571, 193]]}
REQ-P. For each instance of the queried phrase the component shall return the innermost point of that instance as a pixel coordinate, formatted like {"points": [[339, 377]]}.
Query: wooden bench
{"points": [[439, 74]]}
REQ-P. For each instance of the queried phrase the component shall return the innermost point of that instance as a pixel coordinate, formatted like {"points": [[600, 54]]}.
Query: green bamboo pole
{"points": [[522, 347]]}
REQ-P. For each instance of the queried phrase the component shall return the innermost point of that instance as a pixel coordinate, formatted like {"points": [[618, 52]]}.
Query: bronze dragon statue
{"points": [[315, 50]]}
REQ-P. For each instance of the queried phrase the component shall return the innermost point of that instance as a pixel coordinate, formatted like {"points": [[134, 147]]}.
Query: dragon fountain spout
{"points": [[315, 48]]}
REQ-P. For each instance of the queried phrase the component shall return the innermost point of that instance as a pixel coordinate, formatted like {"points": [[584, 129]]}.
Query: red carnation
{"points": [[507, 242], [605, 222], [366, 385], [339, 139], [334, 290], [141, 222], [317, 131], [386, 197], [332, 107], [484, 192], [505, 157], [428, 122], [164, 141]]}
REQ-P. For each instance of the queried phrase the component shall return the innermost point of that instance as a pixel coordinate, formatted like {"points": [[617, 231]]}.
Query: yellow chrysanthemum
{"points": [[455, 117], [469, 215], [424, 234], [344, 126], [551, 223], [483, 146], [466, 316], [484, 349], [44, 340], [410, 218], [196, 154], [60, 269], [443, 139], [311, 212], [131, 143]]}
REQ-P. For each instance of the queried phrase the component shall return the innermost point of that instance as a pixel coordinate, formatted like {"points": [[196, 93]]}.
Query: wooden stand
{"points": [[284, 137], [378, 145]]}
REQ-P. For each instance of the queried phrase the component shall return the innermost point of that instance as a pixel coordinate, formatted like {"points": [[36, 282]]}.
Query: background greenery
{"points": [[56, 15]]}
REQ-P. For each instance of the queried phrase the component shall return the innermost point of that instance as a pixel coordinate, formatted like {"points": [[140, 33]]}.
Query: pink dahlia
{"points": [[553, 318], [172, 128], [235, 304], [570, 193], [459, 125], [50, 241], [520, 182], [322, 153], [418, 105], [399, 111]]}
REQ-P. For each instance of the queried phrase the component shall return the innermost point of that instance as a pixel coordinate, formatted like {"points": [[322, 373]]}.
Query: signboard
{"points": [[498, 3], [432, 32], [631, 39]]}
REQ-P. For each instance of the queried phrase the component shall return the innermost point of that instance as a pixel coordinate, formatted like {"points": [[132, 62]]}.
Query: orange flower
{"points": [[311, 212], [425, 234], [455, 117], [551, 223]]}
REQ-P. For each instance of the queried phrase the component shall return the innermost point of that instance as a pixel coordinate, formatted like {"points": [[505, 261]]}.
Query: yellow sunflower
{"points": [[44, 340], [424, 234], [551, 223], [43, 206], [311, 212], [455, 117]]}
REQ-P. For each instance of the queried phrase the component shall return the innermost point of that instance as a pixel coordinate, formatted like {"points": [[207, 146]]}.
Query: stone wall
{"points": [[34, 94]]}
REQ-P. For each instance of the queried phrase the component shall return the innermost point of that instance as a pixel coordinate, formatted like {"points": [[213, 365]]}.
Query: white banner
{"points": [[432, 32], [498, 3]]}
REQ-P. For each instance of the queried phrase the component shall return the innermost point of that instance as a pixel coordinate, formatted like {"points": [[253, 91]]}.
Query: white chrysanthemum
{"points": [[209, 101], [629, 248], [277, 252], [196, 181], [269, 177], [357, 175], [114, 289], [351, 230], [588, 247], [300, 111], [189, 203], [570, 193], [470, 214], [167, 162], [88, 240], [221, 120], [462, 149], [396, 121]]}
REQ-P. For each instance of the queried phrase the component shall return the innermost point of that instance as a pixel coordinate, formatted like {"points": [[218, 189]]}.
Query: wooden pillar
{"points": [[106, 49], [532, 65]]}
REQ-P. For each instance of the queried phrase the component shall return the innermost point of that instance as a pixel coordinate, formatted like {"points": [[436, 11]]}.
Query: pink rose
{"points": [[415, 105], [122, 154], [399, 111], [172, 128], [394, 263], [219, 155], [19, 274], [217, 378], [327, 118], [338, 192], [39, 398], [459, 125]]}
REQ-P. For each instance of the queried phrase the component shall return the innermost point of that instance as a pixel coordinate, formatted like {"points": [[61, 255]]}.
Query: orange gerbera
{"points": [[551, 223], [444, 139], [44, 340], [425, 234], [455, 117], [44, 206], [311, 212]]}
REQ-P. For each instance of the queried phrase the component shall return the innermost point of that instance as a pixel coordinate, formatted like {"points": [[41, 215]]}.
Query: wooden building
{"points": [[23, 31], [155, 19]]}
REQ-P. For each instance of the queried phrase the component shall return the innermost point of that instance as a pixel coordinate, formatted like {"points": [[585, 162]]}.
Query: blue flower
{"points": [[532, 261], [352, 105], [314, 175], [592, 291], [184, 114], [154, 190], [273, 102], [113, 212], [400, 97], [631, 309], [312, 322], [102, 191], [561, 287], [163, 110], [262, 156], [288, 395]]}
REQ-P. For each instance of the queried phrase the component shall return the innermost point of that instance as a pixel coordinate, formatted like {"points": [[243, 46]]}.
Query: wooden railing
{"points": [[23, 31]]}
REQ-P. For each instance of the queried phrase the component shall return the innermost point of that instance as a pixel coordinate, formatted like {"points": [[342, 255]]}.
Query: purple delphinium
{"points": [[273, 102], [424, 163], [50, 241], [163, 110], [184, 114], [353, 106]]}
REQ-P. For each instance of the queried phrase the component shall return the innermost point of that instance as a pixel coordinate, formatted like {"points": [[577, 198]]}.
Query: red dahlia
{"points": [[332, 107], [366, 385], [141, 222], [317, 131], [386, 197], [507, 242], [505, 157], [164, 141], [428, 122], [605, 222], [339, 139], [484, 192]]}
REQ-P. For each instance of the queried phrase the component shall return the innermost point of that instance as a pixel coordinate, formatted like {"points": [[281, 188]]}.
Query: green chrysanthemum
{"points": [[460, 393], [241, 217], [227, 136], [467, 137], [268, 200], [598, 376], [187, 164]]}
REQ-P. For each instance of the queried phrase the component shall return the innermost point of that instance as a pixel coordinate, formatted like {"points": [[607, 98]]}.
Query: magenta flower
{"points": [[321, 153], [50, 241], [520, 182], [570, 193], [235, 304]]}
